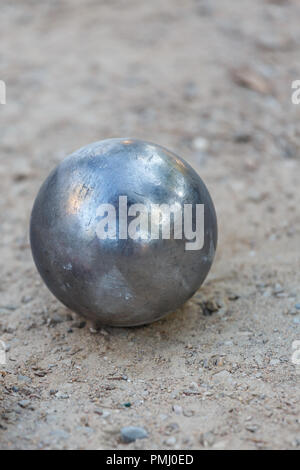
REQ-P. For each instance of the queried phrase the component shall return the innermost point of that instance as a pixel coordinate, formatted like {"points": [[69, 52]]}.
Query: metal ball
{"points": [[116, 279]]}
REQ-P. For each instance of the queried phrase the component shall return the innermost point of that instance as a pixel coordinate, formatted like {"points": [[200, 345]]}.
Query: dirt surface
{"points": [[212, 82]]}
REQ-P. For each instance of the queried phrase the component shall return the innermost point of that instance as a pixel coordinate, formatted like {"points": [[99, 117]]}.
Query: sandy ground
{"points": [[210, 80]]}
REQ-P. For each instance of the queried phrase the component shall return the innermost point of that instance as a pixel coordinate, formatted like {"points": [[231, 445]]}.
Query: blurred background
{"points": [[211, 81]]}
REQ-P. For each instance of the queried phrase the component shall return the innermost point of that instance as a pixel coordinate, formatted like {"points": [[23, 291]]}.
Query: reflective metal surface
{"points": [[118, 282]]}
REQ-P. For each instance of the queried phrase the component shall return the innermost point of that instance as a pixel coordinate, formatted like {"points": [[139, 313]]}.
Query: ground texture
{"points": [[211, 81]]}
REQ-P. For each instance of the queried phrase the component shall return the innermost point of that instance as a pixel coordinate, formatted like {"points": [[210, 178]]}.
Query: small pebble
{"points": [[193, 386], [274, 362], [24, 403], [24, 378], [62, 395], [171, 441], [131, 433], [177, 409], [251, 428], [278, 289], [200, 143], [103, 413], [207, 439], [223, 376]]}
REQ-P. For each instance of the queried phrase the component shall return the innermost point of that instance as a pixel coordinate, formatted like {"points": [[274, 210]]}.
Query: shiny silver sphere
{"points": [[119, 281]]}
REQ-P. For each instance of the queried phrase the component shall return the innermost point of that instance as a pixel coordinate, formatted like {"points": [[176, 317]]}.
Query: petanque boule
{"points": [[123, 232]]}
